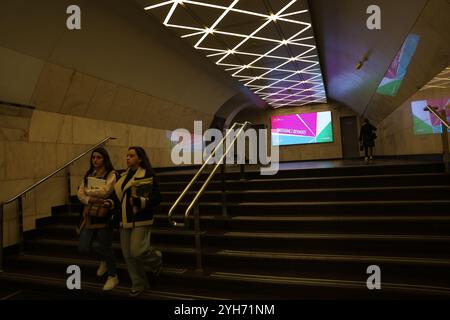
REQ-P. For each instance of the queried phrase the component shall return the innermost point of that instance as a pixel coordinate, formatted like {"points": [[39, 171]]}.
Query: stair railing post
{"points": [[445, 146], [198, 244], [68, 202], [20, 223], [223, 190], [1, 237]]}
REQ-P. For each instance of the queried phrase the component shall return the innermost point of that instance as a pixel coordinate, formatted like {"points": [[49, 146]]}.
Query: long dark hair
{"points": [[145, 162], [106, 163]]}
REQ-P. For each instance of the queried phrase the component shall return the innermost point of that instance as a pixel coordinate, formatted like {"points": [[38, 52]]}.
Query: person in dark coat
{"points": [[367, 138]]}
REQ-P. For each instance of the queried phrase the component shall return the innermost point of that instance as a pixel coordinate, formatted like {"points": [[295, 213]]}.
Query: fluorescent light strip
{"points": [[261, 68], [184, 27], [215, 54], [158, 5], [261, 55], [283, 88], [439, 82], [279, 17], [293, 21], [302, 104], [172, 10], [293, 13], [192, 34], [216, 22], [297, 93], [245, 40], [293, 87], [309, 89], [302, 39], [269, 79], [276, 48], [298, 96], [301, 71], [257, 30], [211, 49], [245, 36]]}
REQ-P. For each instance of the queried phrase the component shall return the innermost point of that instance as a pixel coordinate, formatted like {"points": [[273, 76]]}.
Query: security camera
{"points": [[360, 64]]}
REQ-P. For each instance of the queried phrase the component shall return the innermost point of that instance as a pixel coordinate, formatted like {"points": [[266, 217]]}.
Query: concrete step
{"points": [[228, 283], [394, 180], [425, 225], [336, 243], [355, 170], [308, 208], [323, 194]]}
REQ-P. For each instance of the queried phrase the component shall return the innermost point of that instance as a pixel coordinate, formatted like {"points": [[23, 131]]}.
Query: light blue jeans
{"points": [[139, 255]]}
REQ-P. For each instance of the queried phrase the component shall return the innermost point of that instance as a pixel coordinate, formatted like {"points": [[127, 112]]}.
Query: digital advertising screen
{"points": [[424, 121], [304, 128]]}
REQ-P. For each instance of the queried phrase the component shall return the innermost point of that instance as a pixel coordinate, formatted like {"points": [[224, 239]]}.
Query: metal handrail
{"points": [[202, 189], [445, 146], [58, 170], [17, 105], [437, 115], [19, 198]]}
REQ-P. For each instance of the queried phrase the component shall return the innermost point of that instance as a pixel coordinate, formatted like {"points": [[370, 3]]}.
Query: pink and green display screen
{"points": [[424, 121], [303, 128], [393, 79]]}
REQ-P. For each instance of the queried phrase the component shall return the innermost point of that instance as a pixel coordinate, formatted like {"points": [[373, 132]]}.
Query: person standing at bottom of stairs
{"points": [[135, 197], [367, 138], [95, 234]]}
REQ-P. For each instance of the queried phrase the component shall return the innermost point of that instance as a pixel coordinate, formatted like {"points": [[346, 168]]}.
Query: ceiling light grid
{"points": [[441, 81], [276, 58]]}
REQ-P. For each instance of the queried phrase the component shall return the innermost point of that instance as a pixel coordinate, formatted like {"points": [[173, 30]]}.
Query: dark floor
{"points": [[323, 164]]}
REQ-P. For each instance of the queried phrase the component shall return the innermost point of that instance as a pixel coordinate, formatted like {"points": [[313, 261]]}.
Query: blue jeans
{"points": [[139, 255], [98, 243]]}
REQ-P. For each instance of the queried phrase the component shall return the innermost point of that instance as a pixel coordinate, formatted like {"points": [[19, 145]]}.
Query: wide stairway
{"points": [[302, 234]]}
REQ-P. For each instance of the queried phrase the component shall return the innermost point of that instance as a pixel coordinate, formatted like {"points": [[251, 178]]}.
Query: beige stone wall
{"points": [[19, 75], [73, 112], [396, 132], [67, 91]]}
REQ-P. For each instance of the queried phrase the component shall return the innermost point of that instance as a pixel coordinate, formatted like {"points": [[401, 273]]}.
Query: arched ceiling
{"points": [[441, 81], [344, 39], [428, 45], [267, 45]]}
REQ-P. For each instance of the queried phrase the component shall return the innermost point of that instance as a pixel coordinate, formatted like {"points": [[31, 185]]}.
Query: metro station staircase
{"points": [[302, 234]]}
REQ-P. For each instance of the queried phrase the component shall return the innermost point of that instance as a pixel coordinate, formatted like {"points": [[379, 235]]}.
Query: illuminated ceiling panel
{"points": [[268, 45], [441, 81]]}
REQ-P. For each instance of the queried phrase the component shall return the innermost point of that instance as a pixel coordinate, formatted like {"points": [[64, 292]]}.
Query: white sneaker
{"points": [[102, 269], [366, 159], [111, 283]]}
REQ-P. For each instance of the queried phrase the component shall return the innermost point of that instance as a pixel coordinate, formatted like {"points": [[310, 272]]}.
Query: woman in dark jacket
{"points": [[136, 195], [367, 138]]}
